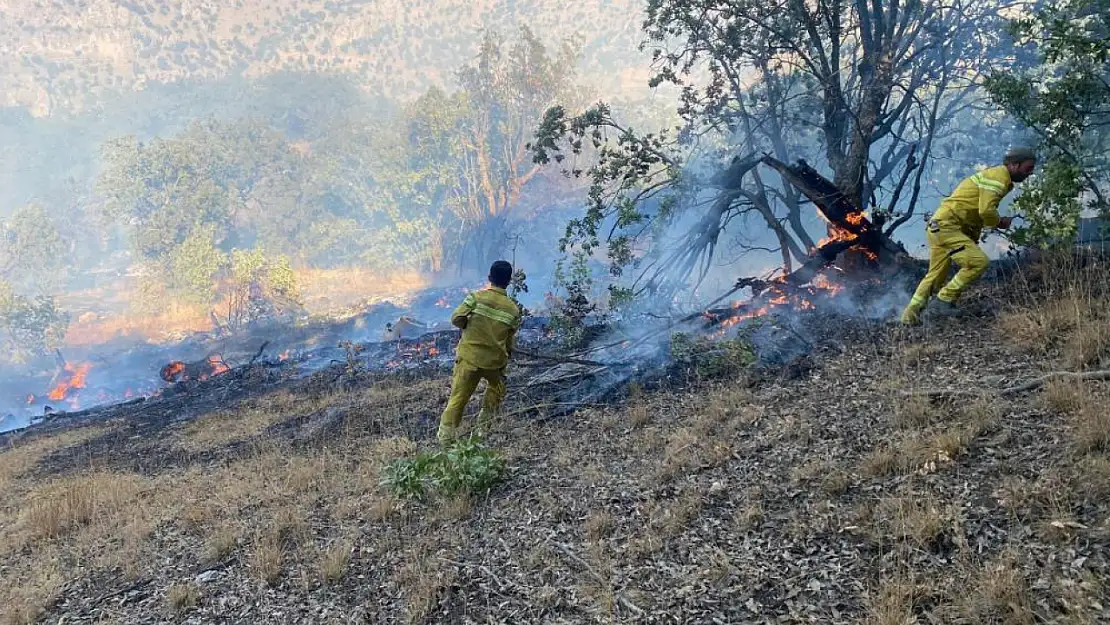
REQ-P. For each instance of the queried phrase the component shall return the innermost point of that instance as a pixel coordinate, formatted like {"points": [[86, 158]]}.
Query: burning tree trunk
{"points": [[851, 229], [178, 371]]}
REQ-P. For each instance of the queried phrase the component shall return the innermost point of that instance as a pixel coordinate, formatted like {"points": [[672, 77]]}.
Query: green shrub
{"points": [[708, 358], [466, 466]]}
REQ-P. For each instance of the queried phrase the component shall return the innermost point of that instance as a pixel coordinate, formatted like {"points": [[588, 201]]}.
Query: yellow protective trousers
{"points": [[464, 382], [947, 245]]}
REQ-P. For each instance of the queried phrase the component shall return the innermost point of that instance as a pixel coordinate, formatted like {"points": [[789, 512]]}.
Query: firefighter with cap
{"points": [[489, 321], [954, 231]]}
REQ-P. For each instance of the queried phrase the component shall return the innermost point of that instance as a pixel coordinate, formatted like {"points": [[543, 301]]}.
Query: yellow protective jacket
{"points": [[974, 204], [489, 321]]}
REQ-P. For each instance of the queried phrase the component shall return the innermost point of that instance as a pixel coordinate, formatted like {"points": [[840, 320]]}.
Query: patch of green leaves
{"points": [[707, 358], [464, 467], [1065, 98]]}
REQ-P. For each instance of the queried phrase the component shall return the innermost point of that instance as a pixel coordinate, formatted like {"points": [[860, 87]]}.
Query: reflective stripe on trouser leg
{"points": [[463, 383], [973, 264]]}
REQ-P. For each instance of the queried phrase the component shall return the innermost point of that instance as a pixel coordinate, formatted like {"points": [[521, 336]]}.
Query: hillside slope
{"points": [[61, 56], [847, 491]]}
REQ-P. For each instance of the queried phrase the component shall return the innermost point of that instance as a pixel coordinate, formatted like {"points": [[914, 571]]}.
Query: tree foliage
{"points": [[1064, 96], [33, 255], [29, 327]]}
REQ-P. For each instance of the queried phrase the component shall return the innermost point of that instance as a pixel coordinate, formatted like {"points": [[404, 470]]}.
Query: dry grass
{"points": [[892, 602], [922, 451], [1093, 479], [221, 543], [921, 521], [915, 411], [914, 355], [129, 313], [266, 557], [180, 597], [1063, 396], [422, 578], [1037, 329], [997, 593], [223, 427], [1088, 344], [455, 508], [21, 456], [66, 504], [598, 525], [59, 528], [328, 290], [333, 562], [1090, 426]]}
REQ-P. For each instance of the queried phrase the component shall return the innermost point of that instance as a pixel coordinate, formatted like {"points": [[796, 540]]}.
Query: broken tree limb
{"points": [[259, 353], [1032, 385], [567, 359], [837, 209]]}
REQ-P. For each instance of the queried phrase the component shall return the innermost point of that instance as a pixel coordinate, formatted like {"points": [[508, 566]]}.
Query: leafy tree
{"points": [[258, 287], [29, 327], [1063, 96], [194, 263], [468, 150], [33, 254]]}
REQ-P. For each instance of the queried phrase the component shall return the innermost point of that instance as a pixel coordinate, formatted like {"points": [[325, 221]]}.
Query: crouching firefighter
{"points": [[954, 231], [489, 321]]}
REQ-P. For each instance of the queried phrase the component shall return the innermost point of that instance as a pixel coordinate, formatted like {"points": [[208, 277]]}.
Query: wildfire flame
{"points": [[836, 233], [179, 371], [217, 365], [170, 372], [75, 380], [284, 355]]}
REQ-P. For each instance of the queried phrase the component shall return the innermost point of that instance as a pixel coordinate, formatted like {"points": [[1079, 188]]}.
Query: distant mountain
{"points": [[67, 55]]}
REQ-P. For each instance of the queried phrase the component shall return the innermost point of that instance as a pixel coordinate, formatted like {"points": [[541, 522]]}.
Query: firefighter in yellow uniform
{"points": [[954, 231], [489, 321]]}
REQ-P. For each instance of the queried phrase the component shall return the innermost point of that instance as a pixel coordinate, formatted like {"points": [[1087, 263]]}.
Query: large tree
{"points": [[33, 255], [468, 150], [863, 90]]}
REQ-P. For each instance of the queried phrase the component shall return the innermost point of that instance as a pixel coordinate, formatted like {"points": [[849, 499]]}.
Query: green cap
{"points": [[1019, 155]]}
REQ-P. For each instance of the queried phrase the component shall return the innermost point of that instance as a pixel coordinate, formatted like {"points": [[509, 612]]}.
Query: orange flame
{"points": [[76, 380], [839, 234], [171, 371], [284, 355]]}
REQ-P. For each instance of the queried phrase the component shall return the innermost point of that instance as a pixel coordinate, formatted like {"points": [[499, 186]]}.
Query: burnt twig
{"points": [[567, 359], [257, 355]]}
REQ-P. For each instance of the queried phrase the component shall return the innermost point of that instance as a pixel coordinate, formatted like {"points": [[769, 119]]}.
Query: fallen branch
{"points": [[1031, 385], [567, 359], [260, 350], [1056, 375]]}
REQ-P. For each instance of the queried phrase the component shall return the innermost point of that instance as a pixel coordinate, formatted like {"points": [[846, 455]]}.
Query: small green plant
{"points": [[352, 350], [464, 467], [518, 285], [708, 358]]}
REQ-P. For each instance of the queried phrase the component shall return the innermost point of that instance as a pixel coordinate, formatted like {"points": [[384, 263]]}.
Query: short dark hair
{"points": [[1018, 155], [501, 273]]}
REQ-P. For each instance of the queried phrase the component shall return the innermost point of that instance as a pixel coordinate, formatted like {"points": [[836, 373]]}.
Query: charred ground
{"points": [[880, 477]]}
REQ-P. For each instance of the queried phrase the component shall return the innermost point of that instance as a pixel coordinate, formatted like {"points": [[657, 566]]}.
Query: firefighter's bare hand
{"points": [[1005, 222]]}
